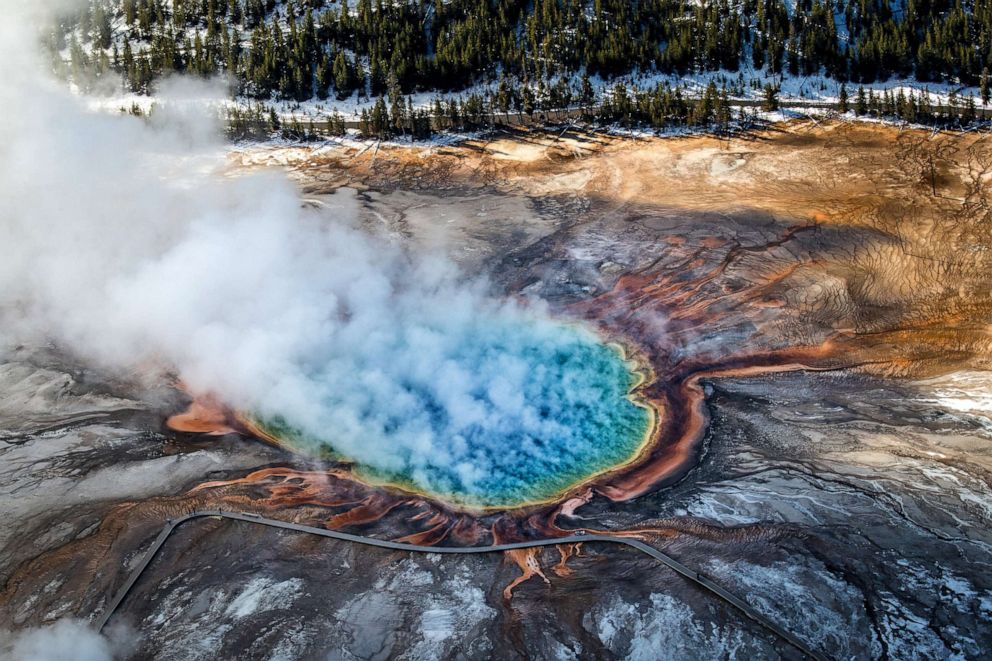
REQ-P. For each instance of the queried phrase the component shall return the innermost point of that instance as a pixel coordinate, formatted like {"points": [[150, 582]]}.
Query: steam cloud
{"points": [[123, 242], [66, 640]]}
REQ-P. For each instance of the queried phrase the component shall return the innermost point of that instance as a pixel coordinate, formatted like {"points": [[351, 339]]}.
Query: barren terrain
{"points": [[814, 300]]}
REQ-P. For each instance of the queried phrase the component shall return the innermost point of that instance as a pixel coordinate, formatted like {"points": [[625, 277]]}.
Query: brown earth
{"points": [[853, 256]]}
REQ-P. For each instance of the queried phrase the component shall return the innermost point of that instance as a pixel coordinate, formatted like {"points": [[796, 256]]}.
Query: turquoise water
{"points": [[514, 411]]}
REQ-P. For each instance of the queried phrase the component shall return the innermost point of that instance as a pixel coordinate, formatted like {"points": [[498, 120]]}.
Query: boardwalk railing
{"points": [[694, 576]]}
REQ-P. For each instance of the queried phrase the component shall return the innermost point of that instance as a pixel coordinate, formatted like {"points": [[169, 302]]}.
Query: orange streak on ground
{"points": [[505, 531], [466, 531], [687, 419], [566, 551], [371, 509], [206, 415], [429, 537], [526, 560]]}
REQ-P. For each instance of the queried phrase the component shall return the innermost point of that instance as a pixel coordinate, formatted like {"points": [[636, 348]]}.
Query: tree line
{"points": [[660, 107], [533, 57], [305, 49]]}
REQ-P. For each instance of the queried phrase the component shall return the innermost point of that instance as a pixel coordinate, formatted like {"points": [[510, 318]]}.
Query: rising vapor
{"points": [[123, 242], [65, 640]]}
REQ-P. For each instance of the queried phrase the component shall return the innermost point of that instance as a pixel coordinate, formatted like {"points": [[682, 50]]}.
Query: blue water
{"points": [[513, 411]]}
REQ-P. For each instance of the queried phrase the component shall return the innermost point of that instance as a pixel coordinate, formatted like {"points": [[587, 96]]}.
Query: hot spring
{"points": [[517, 411]]}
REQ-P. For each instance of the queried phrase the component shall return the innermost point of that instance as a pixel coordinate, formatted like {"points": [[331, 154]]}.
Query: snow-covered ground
{"points": [[817, 90]]}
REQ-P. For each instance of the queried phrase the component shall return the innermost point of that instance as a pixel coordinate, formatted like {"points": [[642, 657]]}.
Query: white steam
{"points": [[66, 640], [124, 242]]}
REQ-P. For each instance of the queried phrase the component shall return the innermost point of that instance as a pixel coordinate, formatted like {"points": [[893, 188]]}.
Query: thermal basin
{"points": [[518, 411]]}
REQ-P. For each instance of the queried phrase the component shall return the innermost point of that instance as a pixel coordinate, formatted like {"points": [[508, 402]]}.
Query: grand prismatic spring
{"points": [[562, 408]]}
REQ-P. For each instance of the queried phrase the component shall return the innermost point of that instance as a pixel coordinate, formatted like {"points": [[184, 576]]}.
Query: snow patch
{"points": [[263, 594], [830, 617], [666, 624], [968, 392]]}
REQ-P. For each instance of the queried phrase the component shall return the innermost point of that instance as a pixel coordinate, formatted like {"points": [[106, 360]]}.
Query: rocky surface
{"points": [[828, 292]]}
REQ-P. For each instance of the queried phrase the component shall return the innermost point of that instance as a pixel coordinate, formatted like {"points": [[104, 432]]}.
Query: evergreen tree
{"points": [[323, 78], [723, 109], [861, 103], [771, 98], [343, 82], [364, 125], [527, 100], [130, 9], [969, 114], [102, 30], [397, 111], [336, 124], [587, 94]]}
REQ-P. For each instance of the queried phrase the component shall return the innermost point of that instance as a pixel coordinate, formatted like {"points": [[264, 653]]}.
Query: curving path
{"points": [[695, 577]]}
